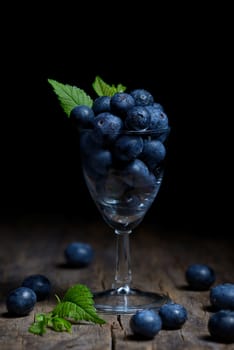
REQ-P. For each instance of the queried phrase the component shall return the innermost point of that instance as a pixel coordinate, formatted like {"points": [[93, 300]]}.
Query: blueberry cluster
{"points": [[148, 322], [221, 322], [122, 142], [134, 111], [201, 277], [21, 301]]}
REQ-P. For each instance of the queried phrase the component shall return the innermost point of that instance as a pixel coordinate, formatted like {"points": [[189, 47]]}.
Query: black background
{"points": [[181, 55]]}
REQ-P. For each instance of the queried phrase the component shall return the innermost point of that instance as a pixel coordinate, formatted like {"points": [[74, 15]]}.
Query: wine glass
{"points": [[123, 171]]}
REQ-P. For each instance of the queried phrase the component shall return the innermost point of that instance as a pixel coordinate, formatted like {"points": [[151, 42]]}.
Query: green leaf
{"points": [[67, 309], [82, 297], [72, 311], [43, 321], [60, 324], [40, 324], [120, 88], [78, 294], [103, 89], [77, 305], [38, 328], [70, 96]]}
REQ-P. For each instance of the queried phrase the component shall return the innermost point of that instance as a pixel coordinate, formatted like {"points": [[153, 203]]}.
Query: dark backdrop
{"points": [[183, 59]]}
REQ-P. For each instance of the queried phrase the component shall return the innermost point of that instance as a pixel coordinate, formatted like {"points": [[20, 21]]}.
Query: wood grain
{"points": [[159, 261]]}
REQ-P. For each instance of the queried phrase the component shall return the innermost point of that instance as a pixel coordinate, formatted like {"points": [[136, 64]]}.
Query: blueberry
{"points": [[135, 173], [101, 104], [145, 323], [163, 134], [142, 97], [87, 143], [200, 276], [153, 153], [99, 162], [158, 118], [152, 184], [127, 147], [138, 118], [173, 315], [82, 116], [121, 102], [111, 187], [21, 301], [107, 128], [222, 296], [156, 106], [40, 284], [221, 326], [79, 254], [96, 160]]}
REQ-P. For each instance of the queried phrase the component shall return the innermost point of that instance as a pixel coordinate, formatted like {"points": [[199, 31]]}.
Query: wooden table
{"points": [[159, 260]]}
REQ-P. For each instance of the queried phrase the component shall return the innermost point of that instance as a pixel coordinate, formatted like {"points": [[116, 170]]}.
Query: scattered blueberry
{"points": [[221, 326], [40, 284], [222, 296], [145, 323], [200, 276], [21, 301], [173, 315], [79, 254]]}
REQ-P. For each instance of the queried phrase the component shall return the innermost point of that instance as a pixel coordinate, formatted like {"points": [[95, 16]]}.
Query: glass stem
{"points": [[123, 274]]}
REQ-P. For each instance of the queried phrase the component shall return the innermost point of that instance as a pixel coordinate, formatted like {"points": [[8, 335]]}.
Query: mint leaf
{"points": [[60, 324], [77, 305], [40, 324], [67, 309], [81, 296], [120, 88], [43, 321], [72, 311], [37, 328], [103, 89], [70, 96]]}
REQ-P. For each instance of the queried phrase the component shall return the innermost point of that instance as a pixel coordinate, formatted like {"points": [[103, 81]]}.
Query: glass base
{"points": [[122, 301]]}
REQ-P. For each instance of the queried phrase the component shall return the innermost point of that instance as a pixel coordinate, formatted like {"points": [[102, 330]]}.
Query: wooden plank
{"points": [[159, 260]]}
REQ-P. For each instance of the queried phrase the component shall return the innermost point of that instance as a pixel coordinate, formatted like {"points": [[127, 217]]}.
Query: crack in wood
{"points": [[103, 284], [113, 337], [182, 335], [120, 322]]}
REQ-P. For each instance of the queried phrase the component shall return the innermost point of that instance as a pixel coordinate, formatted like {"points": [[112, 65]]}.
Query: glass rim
{"points": [[133, 132]]}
